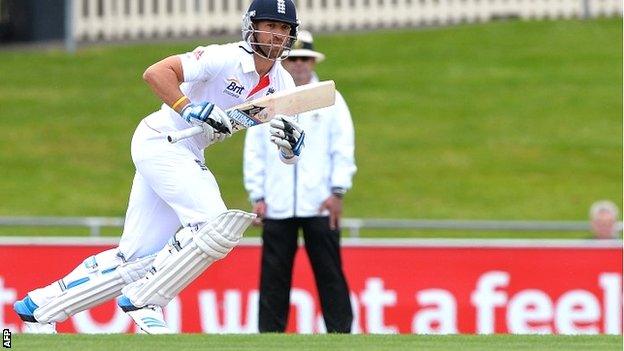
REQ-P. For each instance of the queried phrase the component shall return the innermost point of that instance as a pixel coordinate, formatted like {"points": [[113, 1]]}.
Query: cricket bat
{"points": [[286, 102]]}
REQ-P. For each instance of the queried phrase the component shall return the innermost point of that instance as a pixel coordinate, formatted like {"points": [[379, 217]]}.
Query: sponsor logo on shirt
{"points": [[233, 87], [198, 54]]}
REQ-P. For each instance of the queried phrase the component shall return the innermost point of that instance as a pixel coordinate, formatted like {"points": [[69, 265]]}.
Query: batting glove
{"points": [[211, 118], [287, 135]]}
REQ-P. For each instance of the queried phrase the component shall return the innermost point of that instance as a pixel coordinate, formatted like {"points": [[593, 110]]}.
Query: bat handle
{"points": [[176, 136]]}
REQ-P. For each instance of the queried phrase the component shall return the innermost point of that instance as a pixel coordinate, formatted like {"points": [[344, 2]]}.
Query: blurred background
{"points": [[463, 109], [489, 119]]}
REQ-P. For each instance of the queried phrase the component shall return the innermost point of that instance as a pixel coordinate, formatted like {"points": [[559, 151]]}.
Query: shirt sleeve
{"points": [[342, 147], [203, 63], [254, 161]]}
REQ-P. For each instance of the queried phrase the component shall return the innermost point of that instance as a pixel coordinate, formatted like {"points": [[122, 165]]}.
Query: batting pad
{"points": [[99, 279], [196, 250]]}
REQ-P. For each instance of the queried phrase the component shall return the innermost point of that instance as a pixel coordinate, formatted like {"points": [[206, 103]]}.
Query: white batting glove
{"points": [[287, 135]]}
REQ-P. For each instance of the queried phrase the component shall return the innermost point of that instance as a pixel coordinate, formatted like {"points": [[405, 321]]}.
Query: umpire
{"points": [[307, 195]]}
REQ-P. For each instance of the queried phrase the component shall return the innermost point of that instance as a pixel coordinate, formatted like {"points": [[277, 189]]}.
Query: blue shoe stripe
{"points": [[125, 304], [25, 309], [152, 320], [123, 301], [21, 308], [32, 306]]}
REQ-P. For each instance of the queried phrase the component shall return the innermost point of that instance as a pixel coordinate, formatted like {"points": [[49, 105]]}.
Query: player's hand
{"points": [[287, 135], [211, 118], [334, 205], [259, 208]]}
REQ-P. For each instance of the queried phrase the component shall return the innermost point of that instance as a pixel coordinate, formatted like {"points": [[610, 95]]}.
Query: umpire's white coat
{"points": [[326, 161]]}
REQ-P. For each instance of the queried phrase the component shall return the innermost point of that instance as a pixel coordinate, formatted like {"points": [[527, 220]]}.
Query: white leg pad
{"points": [[195, 249], [99, 279]]}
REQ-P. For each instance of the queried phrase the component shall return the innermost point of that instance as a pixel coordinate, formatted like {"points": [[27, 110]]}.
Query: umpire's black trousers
{"points": [[279, 245]]}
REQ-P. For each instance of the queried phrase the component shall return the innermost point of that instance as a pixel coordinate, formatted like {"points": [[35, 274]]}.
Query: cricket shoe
{"points": [[149, 319], [25, 309]]}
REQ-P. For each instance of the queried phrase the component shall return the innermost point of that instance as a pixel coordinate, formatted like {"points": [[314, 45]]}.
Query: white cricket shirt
{"points": [[224, 75]]}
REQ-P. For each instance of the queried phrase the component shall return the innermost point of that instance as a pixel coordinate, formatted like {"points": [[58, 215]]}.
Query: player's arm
{"points": [[165, 77]]}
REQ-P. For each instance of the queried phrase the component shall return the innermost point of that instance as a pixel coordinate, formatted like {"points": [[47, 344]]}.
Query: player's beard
{"points": [[273, 53], [271, 50]]}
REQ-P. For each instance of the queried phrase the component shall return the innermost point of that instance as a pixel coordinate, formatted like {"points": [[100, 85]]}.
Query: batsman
{"points": [[172, 186]]}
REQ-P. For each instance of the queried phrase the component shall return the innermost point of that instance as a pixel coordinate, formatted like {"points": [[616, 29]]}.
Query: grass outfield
{"points": [[506, 120], [314, 342]]}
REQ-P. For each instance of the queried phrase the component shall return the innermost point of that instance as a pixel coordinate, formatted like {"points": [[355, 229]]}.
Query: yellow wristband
{"points": [[178, 102]]}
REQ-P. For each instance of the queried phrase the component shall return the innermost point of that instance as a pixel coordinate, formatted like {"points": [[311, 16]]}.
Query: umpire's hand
{"points": [[334, 205], [259, 208]]}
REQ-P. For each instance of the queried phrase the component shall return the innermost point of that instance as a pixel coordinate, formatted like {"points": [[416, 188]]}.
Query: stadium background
{"points": [[503, 120]]}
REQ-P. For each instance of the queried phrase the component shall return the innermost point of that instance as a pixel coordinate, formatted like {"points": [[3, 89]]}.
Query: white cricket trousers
{"points": [[171, 188]]}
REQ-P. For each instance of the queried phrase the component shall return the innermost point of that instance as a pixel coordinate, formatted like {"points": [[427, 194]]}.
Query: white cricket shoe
{"points": [[25, 308], [39, 328], [149, 319]]}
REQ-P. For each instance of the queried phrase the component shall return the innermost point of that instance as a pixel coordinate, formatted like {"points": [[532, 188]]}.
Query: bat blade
{"points": [[301, 99]]}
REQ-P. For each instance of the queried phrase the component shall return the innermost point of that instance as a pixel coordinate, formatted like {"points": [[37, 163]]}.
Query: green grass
{"points": [[507, 120], [315, 342]]}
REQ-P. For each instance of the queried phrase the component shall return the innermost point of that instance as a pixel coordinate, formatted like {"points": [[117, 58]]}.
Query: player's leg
{"points": [[98, 279], [279, 245], [185, 257], [149, 222], [179, 177], [101, 277], [323, 248]]}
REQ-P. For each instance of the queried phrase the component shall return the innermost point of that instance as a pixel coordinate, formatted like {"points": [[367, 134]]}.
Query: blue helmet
{"points": [[270, 10]]}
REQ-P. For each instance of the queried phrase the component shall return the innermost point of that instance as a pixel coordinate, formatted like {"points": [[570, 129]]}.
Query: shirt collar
{"points": [[247, 62]]}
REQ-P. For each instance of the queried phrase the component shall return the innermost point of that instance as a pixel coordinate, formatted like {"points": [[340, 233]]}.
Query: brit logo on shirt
{"points": [[233, 87]]}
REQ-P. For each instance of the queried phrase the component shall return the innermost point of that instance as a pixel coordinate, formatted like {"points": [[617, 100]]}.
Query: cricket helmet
{"points": [[270, 10]]}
